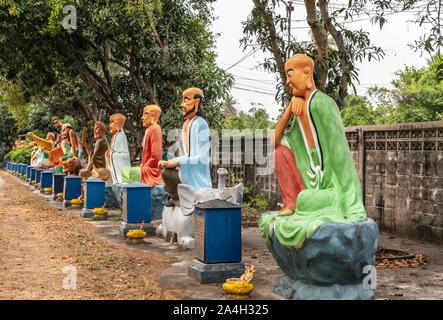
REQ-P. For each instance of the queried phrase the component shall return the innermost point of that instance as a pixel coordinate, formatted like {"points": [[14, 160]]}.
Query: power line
{"points": [[243, 58], [256, 91], [352, 21], [257, 80]]}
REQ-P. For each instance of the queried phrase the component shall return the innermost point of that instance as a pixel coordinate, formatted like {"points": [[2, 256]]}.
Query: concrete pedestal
{"points": [[86, 213], [215, 272]]}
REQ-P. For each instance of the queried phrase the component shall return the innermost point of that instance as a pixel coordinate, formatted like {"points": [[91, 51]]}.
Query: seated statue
{"points": [[118, 153], [97, 158], [193, 163], [315, 170], [148, 172], [41, 157], [69, 135], [323, 209]]}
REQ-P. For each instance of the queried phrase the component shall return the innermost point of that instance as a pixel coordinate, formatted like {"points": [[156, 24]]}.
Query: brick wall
{"points": [[400, 168]]}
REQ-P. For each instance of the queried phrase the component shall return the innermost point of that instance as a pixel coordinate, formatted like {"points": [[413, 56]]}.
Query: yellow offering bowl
{"points": [[33, 182], [60, 196], [136, 235], [47, 190], [237, 288], [76, 203], [99, 212]]}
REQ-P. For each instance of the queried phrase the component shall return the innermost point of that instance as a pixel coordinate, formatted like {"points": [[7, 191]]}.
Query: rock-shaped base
{"points": [[158, 199], [330, 264], [110, 200], [174, 222]]}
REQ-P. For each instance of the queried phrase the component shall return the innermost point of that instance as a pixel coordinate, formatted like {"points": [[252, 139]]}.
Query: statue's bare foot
{"points": [[286, 212]]}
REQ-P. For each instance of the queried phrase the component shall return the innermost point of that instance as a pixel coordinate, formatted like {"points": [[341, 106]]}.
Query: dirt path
{"points": [[41, 248]]}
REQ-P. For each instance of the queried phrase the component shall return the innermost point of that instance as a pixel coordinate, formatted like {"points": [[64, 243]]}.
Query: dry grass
{"points": [[37, 241]]}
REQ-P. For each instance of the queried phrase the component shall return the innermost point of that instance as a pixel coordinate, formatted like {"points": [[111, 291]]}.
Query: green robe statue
{"points": [[332, 188]]}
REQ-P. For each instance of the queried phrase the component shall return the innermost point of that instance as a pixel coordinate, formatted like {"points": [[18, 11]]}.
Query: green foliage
{"points": [[419, 92], [8, 129], [357, 112], [257, 118], [251, 205], [20, 155], [417, 96], [123, 56]]}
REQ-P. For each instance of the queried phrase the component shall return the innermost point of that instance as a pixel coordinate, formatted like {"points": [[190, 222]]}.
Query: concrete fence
{"points": [[400, 168]]}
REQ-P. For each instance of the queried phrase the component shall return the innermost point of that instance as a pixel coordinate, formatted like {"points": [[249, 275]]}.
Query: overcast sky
{"points": [[393, 38]]}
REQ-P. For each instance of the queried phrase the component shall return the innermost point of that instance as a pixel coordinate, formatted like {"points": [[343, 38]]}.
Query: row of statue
{"points": [[309, 156], [316, 174], [111, 162]]}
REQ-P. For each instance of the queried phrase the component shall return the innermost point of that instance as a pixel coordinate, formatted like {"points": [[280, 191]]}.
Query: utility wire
{"points": [[256, 91], [243, 58]]}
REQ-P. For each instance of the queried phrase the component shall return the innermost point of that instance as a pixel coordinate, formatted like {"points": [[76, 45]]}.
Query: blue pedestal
{"points": [[114, 199], [331, 263], [24, 171], [58, 181], [32, 176], [94, 192], [28, 173], [38, 173], [218, 247], [72, 189], [136, 208], [136, 203], [45, 180]]}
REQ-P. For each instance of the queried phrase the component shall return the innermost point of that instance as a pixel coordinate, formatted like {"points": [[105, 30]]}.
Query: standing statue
{"points": [[322, 196], [70, 162], [149, 172], [195, 143], [70, 136], [118, 153]]}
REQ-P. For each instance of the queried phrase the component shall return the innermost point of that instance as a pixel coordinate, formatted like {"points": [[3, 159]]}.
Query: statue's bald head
{"points": [[116, 122], [301, 61], [151, 114], [299, 71]]}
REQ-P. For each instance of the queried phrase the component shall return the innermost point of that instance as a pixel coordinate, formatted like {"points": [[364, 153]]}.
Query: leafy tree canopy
{"points": [[123, 56]]}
